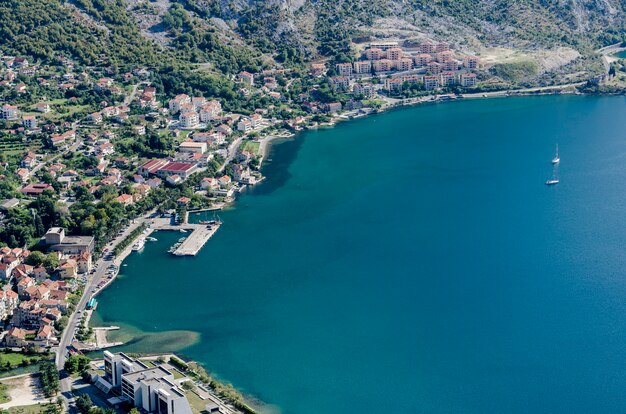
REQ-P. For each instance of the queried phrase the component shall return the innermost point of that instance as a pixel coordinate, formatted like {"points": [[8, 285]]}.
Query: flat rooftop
{"points": [[147, 374]]}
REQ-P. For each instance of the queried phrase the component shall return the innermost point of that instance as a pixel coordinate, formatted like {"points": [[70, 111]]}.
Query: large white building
{"points": [[179, 101], [151, 389]]}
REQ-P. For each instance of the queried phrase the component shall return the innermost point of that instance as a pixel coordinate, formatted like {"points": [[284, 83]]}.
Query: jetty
{"points": [[200, 234]]}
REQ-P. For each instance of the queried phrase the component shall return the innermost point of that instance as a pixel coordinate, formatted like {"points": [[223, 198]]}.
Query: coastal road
{"points": [[90, 287], [232, 151]]}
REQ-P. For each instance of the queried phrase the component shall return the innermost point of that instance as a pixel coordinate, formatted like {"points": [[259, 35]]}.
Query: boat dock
{"points": [[200, 234]]}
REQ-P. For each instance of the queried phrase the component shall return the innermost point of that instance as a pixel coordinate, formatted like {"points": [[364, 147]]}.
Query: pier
{"points": [[200, 234]]}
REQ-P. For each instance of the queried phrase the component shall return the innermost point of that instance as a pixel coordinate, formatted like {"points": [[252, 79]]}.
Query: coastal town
{"points": [[92, 160]]}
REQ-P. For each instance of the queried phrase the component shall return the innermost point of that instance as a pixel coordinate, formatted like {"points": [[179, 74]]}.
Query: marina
{"points": [[196, 236]]}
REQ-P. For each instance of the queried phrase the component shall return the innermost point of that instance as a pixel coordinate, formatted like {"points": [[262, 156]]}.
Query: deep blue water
{"points": [[412, 262]]}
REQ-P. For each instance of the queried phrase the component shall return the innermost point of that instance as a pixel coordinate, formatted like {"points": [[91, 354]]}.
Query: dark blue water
{"points": [[413, 262]]}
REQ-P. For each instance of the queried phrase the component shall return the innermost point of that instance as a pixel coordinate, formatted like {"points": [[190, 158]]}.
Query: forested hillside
{"points": [[223, 37]]}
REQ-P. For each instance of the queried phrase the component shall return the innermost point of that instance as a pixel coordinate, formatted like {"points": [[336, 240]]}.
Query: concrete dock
{"points": [[196, 240], [200, 234]]}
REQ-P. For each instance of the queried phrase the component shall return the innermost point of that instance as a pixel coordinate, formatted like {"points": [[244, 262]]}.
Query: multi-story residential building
{"points": [[29, 121], [9, 112], [210, 111], [84, 262], [404, 64], [412, 79], [340, 82], [471, 62], [447, 79], [365, 89], [344, 69], [189, 120], [68, 269], [198, 102], [445, 56], [382, 65], [434, 68], [187, 107], [450, 65], [8, 302], [374, 53], [468, 80], [244, 125], [178, 101], [427, 47], [431, 82], [257, 120], [442, 47], [394, 53], [422, 59], [393, 84], [362, 66]]}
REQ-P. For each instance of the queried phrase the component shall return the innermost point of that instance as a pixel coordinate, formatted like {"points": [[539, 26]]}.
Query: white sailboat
{"points": [[556, 158], [555, 178]]}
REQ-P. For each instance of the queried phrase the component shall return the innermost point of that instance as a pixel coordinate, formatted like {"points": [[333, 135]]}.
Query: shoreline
{"points": [[269, 140]]}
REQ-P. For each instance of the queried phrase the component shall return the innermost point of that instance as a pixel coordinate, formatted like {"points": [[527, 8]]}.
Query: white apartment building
{"points": [[8, 112], [344, 69]]}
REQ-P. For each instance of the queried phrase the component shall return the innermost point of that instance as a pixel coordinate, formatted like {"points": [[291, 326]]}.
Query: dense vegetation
{"points": [[49, 378], [41, 27], [76, 363]]}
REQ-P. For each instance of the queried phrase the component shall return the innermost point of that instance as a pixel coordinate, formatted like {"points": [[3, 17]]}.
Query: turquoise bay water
{"points": [[412, 262]]}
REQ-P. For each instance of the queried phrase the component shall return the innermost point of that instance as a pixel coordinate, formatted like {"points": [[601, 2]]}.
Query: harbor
{"points": [[191, 244]]}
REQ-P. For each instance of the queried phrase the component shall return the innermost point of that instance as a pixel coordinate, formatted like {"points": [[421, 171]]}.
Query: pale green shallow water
{"points": [[412, 262]]}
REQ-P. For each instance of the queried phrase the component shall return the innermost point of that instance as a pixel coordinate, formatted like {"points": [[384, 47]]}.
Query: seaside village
{"points": [[64, 145], [71, 133], [32, 300]]}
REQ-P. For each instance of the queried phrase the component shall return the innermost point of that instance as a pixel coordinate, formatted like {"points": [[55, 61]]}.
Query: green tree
{"points": [[36, 258], [51, 262], [84, 404]]}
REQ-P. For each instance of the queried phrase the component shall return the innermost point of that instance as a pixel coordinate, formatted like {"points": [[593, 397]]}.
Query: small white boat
{"points": [[138, 245], [556, 158], [151, 239], [552, 182]]}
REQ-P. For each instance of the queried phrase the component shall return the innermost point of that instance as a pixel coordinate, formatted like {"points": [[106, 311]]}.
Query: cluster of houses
{"points": [[31, 300], [267, 82], [12, 69], [194, 111]]}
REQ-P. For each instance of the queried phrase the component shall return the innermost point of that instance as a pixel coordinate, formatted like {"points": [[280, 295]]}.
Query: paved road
{"points": [[129, 98], [74, 319], [232, 151], [71, 148]]}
